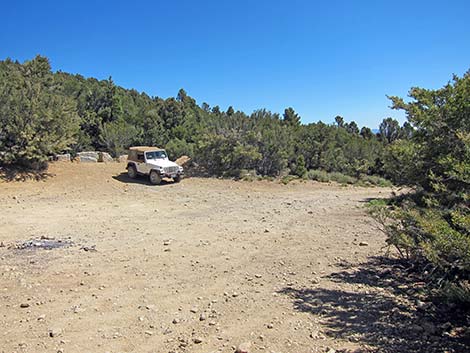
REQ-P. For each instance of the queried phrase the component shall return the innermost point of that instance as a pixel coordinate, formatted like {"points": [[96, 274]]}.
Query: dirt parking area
{"points": [[91, 261]]}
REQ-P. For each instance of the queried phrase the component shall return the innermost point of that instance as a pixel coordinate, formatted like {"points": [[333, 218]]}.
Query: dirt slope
{"points": [[199, 266]]}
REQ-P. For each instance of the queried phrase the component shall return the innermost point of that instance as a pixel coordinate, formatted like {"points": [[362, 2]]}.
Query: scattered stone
{"points": [[235, 294], [176, 321], [197, 340], [148, 333], [270, 326], [193, 310], [258, 276], [212, 323], [203, 317], [363, 243], [24, 305]]}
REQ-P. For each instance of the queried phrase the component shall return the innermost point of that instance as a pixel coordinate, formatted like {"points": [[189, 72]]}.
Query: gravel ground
{"points": [[91, 261]]}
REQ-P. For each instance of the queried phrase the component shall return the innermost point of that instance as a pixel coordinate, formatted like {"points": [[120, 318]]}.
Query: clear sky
{"points": [[323, 58]]}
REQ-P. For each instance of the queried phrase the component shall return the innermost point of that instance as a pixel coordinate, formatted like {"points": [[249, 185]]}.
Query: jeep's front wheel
{"points": [[132, 172], [155, 177], [177, 178]]}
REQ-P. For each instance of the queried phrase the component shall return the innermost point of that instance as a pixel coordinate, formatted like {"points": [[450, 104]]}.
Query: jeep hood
{"points": [[162, 163]]}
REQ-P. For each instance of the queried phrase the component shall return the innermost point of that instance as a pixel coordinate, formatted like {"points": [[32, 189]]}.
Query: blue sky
{"points": [[323, 58]]}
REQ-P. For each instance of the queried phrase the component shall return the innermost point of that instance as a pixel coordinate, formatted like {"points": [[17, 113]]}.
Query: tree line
{"points": [[43, 113]]}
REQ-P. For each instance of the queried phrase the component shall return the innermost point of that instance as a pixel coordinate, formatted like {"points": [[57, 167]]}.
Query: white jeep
{"points": [[154, 162]]}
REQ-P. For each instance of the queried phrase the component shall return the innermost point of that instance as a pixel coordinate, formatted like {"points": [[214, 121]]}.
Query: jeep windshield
{"points": [[155, 155]]}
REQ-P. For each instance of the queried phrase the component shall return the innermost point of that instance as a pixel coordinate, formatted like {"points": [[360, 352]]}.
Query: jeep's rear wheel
{"points": [[132, 172], [155, 177]]}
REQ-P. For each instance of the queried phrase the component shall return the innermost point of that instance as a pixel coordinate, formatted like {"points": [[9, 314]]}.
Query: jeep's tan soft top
{"points": [[145, 148]]}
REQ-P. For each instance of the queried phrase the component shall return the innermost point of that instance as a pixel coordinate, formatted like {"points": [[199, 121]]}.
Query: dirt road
{"points": [[199, 266]]}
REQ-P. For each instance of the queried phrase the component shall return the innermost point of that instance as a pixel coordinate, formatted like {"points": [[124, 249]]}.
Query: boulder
{"points": [[63, 157], [122, 158], [183, 160], [105, 157], [87, 159], [92, 154]]}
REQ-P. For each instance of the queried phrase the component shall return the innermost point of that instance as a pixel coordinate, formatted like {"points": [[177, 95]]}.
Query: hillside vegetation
{"points": [[43, 113]]}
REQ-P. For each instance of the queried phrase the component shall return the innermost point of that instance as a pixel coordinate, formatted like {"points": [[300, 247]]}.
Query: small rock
{"points": [[429, 328], [149, 333], [243, 348], [24, 305], [202, 317], [193, 310], [270, 326], [316, 301], [363, 243], [197, 340], [176, 321], [55, 332]]}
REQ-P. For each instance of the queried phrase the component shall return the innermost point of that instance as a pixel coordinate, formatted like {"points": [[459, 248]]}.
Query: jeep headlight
{"points": [[180, 168]]}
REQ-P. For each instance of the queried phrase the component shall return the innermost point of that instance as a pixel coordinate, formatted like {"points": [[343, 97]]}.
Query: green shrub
{"points": [[375, 180], [318, 175], [288, 178], [342, 178]]}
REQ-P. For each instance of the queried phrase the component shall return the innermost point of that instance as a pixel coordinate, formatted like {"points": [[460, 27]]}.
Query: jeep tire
{"points": [[132, 171], [155, 177]]}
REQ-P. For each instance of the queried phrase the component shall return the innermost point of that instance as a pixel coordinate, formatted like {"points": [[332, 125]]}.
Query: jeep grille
{"points": [[171, 170]]}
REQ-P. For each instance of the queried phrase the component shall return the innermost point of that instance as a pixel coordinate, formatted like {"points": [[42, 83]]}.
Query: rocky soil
{"points": [[91, 261]]}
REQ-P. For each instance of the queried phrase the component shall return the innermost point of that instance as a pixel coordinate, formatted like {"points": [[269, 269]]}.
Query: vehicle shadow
{"points": [[143, 180], [382, 311]]}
